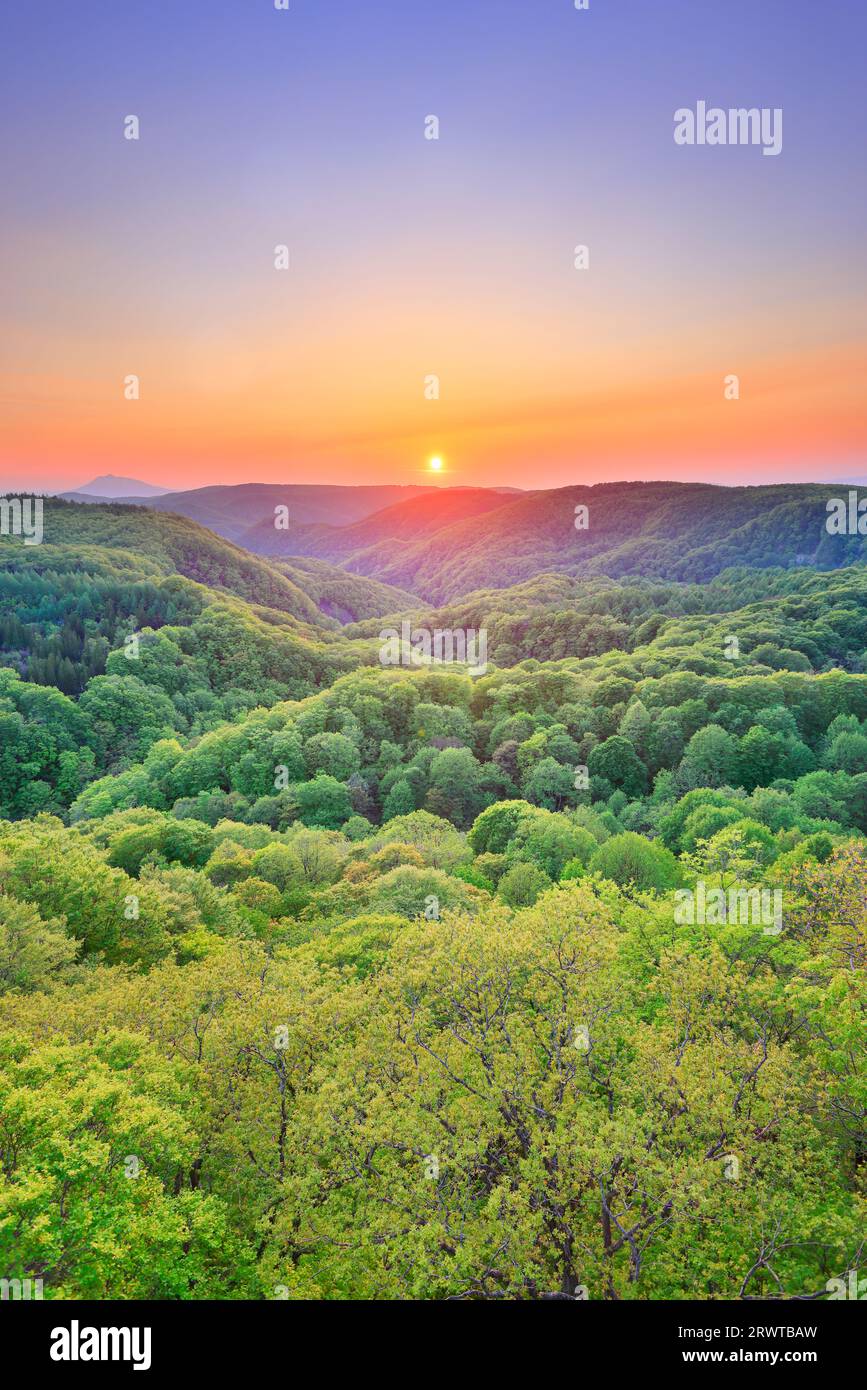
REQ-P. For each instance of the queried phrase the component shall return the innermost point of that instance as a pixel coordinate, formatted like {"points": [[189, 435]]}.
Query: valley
{"points": [[410, 980]]}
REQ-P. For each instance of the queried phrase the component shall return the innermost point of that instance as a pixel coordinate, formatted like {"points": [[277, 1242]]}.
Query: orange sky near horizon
{"points": [[62, 431], [410, 258]]}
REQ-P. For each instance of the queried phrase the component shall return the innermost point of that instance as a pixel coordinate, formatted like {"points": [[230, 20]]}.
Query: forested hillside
{"points": [[688, 532], [406, 524], [782, 619], [342, 595], [176, 545], [231, 510], [327, 978]]}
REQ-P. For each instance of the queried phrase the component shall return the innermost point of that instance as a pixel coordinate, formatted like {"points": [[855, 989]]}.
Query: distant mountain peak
{"points": [[109, 485]]}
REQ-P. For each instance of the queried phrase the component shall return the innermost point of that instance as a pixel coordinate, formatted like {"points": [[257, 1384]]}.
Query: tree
{"points": [[550, 785], [616, 761], [332, 754], [96, 1133], [672, 825], [737, 853], [439, 843], [521, 885], [105, 910], [319, 853], [550, 841], [705, 821], [637, 726], [505, 757], [127, 716], [413, 892], [493, 830], [760, 758], [455, 786], [31, 950], [279, 864], [323, 802], [229, 864], [185, 842], [548, 1140], [709, 759], [630, 859], [823, 796], [666, 741], [399, 802], [847, 753]]}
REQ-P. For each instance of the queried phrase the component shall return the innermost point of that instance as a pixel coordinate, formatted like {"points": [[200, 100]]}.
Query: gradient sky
{"points": [[412, 257]]}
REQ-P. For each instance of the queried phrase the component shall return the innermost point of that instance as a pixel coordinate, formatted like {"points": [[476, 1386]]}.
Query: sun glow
{"points": [[436, 464]]}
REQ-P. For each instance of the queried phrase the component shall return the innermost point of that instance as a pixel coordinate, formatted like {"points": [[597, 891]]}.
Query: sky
{"points": [[411, 258]]}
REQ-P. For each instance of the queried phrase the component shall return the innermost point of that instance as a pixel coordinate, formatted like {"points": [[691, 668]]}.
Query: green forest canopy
{"points": [[324, 980]]}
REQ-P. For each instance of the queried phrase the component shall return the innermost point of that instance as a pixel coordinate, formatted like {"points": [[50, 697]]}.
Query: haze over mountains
{"points": [[676, 531], [441, 543], [108, 485], [232, 509], [403, 524]]}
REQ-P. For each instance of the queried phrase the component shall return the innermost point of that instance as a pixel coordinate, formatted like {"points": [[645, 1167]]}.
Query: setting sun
{"points": [[436, 464]]}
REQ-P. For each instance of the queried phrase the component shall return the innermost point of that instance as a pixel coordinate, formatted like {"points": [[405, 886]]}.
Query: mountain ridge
{"points": [[676, 531]]}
